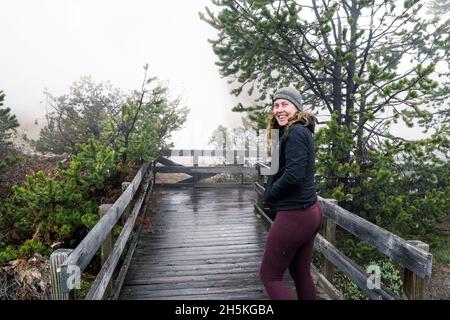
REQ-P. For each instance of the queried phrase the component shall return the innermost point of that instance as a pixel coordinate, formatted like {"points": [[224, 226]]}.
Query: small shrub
{"points": [[8, 254], [48, 209], [348, 288], [30, 247]]}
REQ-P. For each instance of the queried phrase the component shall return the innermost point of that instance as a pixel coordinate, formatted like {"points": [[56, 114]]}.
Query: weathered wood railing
{"points": [[66, 265], [235, 158], [412, 255]]}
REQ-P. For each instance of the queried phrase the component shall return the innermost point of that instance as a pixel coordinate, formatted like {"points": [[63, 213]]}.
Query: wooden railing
{"points": [[66, 265], [235, 163], [412, 255]]}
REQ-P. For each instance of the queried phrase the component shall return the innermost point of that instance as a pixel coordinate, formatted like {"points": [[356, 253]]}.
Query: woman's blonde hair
{"points": [[303, 117]]}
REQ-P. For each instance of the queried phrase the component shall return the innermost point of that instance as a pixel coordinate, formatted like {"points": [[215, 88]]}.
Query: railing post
{"points": [[245, 155], [56, 260], [127, 211], [195, 176], [224, 151], [413, 285], [329, 234], [106, 246]]}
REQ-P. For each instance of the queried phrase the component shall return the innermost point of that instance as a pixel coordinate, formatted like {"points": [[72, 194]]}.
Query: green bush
{"points": [[348, 288], [365, 255], [90, 166], [390, 279], [8, 253], [8, 161], [48, 210], [30, 247]]}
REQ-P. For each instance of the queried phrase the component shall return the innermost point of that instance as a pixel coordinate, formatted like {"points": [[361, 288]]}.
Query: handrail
{"points": [[104, 276], [412, 258], [391, 245], [80, 257], [342, 262], [208, 152], [396, 248], [236, 160]]}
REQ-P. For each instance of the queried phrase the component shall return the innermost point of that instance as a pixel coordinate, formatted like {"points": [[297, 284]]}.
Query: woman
{"points": [[291, 193]]}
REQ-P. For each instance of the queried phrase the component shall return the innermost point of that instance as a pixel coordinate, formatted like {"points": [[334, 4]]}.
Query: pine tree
{"points": [[364, 64], [8, 124]]}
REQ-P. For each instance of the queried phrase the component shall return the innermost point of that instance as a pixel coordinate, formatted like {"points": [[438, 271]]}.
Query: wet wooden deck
{"points": [[204, 243]]}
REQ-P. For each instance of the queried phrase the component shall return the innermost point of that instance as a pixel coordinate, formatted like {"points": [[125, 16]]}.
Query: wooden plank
{"points": [[198, 230], [191, 169], [201, 246], [100, 284], [153, 265], [191, 251], [200, 236], [190, 211], [398, 249], [156, 271], [204, 185], [181, 283], [414, 286], [189, 254], [199, 152], [205, 244], [153, 277], [56, 259], [241, 295], [126, 264], [210, 258], [191, 279], [330, 235], [210, 248], [167, 162], [230, 222], [350, 269], [144, 291], [323, 281], [83, 253], [212, 209], [106, 246], [225, 219], [195, 228]]}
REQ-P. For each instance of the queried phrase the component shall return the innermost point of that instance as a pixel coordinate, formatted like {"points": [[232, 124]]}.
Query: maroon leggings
{"points": [[290, 245]]}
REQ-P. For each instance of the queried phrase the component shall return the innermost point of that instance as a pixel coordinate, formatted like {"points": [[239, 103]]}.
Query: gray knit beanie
{"points": [[291, 94]]}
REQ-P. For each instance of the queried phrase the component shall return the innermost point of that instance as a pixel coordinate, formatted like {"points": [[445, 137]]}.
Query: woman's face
{"points": [[283, 110]]}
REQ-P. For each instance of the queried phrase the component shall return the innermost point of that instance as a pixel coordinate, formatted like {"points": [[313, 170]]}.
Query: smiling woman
{"points": [[291, 193]]}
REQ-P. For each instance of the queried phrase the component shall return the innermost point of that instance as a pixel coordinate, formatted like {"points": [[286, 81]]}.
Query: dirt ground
{"points": [[438, 288], [170, 177]]}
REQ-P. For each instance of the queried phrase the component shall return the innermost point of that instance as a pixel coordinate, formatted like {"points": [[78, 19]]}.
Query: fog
{"points": [[51, 43]]}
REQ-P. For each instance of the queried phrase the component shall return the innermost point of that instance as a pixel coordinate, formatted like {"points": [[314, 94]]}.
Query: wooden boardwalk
{"points": [[204, 243]]}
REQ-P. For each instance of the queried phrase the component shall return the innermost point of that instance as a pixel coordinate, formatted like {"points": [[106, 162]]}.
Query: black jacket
{"points": [[292, 187]]}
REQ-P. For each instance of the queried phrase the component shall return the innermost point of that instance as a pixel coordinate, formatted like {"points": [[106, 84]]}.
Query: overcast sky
{"points": [[51, 43]]}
